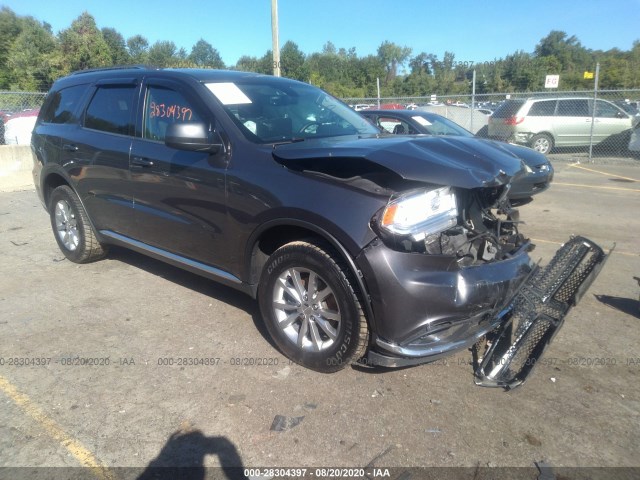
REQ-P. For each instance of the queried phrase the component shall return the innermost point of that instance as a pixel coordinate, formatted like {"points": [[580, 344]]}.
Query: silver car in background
{"points": [[545, 123]]}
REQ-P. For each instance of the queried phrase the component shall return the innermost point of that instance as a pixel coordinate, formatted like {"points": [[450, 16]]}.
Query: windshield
{"points": [[437, 125], [271, 110]]}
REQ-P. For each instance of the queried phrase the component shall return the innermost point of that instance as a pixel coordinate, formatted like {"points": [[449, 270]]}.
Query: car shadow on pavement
{"points": [[182, 457], [624, 305], [196, 283]]}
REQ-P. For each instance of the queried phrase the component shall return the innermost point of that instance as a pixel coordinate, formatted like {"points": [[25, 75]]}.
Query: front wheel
{"points": [[542, 143], [72, 228], [311, 309]]}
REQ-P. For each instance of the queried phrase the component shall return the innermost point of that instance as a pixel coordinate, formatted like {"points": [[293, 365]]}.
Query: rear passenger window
{"points": [[163, 107], [111, 110], [543, 109], [62, 106], [573, 108]]}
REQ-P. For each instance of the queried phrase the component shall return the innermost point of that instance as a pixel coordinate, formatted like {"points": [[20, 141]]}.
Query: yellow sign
{"points": [[588, 75]]}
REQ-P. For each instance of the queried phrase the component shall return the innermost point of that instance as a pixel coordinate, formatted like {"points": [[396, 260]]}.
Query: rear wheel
{"points": [[72, 228], [311, 307], [542, 143]]}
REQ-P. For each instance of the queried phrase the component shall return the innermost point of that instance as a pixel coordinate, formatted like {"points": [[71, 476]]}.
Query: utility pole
{"points": [[593, 111], [274, 38]]}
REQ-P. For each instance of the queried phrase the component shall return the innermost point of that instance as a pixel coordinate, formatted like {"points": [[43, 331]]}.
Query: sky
{"points": [[475, 31]]}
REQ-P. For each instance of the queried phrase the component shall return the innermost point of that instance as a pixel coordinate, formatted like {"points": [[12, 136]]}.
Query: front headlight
{"points": [[421, 213]]}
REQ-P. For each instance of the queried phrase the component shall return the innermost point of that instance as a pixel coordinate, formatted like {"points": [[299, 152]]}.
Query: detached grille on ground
{"points": [[504, 358]]}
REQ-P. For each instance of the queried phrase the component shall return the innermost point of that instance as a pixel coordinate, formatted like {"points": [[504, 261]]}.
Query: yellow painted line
{"points": [[576, 165], [74, 447], [617, 252], [596, 187]]}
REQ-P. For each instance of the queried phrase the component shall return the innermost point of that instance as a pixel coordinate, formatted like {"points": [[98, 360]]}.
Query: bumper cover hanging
{"points": [[504, 358]]}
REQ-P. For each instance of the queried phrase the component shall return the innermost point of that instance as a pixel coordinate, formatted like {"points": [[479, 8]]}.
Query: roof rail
{"points": [[118, 67]]}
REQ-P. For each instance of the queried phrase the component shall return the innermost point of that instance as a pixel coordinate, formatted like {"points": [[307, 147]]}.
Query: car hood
{"points": [[455, 161], [526, 154]]}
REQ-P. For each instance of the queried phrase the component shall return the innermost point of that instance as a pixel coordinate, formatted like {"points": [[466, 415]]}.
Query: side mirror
{"points": [[194, 137]]}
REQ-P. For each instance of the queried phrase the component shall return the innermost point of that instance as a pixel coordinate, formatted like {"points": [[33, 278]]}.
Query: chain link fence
{"points": [[602, 124], [590, 124], [18, 112]]}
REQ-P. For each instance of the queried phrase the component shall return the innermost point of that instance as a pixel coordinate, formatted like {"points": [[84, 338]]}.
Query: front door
{"points": [[179, 196]]}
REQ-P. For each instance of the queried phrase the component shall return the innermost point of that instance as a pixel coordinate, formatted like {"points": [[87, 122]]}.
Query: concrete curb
{"points": [[15, 168]]}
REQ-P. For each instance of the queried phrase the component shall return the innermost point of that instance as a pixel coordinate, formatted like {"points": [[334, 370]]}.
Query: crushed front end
{"points": [[448, 281]]}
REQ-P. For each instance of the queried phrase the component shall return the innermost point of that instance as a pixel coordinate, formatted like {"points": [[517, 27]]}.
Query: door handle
{"points": [[69, 147], [141, 162]]}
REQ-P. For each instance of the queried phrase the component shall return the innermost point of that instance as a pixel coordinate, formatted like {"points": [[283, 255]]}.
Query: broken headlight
{"points": [[421, 213]]}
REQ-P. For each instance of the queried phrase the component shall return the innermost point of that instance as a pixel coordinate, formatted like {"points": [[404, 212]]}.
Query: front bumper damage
{"points": [[507, 356], [507, 312]]}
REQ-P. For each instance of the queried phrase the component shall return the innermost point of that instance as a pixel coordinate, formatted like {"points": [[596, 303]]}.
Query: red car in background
{"points": [[391, 106], [18, 127]]}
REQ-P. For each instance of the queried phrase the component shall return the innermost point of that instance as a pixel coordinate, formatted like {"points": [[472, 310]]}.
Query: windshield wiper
{"points": [[286, 142]]}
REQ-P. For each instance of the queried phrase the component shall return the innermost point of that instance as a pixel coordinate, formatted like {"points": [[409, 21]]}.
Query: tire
{"points": [[311, 308], [72, 228], [542, 143]]}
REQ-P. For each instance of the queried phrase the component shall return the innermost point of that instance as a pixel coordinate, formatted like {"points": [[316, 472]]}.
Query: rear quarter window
{"points": [[508, 109], [544, 108], [62, 106]]}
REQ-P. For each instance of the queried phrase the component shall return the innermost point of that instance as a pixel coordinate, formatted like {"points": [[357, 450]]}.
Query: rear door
{"points": [[97, 155], [572, 123]]}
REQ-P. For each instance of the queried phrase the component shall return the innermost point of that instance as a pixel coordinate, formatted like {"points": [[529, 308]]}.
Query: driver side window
{"points": [[164, 106]]}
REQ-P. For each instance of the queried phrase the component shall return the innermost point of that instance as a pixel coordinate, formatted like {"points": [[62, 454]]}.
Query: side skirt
{"points": [[193, 266]]}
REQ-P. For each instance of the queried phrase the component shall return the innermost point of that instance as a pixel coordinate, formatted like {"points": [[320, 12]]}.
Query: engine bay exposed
{"points": [[486, 231]]}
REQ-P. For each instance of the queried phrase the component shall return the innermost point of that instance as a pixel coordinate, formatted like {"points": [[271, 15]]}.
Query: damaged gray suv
{"points": [[358, 246]]}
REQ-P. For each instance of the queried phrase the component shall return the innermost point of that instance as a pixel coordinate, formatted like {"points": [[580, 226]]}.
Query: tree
{"points": [[117, 46], [162, 54], [83, 45], [292, 62], [138, 47], [392, 56], [263, 64], [205, 56], [247, 64], [9, 29], [568, 50], [329, 49], [33, 61]]}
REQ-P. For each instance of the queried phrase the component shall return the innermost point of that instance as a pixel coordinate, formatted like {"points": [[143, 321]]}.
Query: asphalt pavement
{"points": [[129, 362]]}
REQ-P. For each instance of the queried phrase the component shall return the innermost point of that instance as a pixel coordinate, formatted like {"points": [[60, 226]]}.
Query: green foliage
{"points": [[292, 62], [34, 60], [203, 55], [138, 48], [162, 54], [31, 58], [117, 46], [83, 45], [9, 29], [392, 56]]}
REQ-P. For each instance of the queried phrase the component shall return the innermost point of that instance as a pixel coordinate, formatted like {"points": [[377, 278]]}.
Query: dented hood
{"points": [[452, 161]]}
